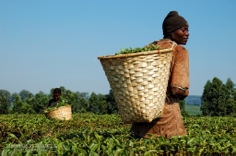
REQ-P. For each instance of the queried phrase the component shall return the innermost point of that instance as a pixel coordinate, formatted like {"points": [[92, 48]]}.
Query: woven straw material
{"points": [[61, 113], [139, 83]]}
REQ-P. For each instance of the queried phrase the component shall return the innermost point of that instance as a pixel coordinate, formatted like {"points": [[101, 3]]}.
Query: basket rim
{"points": [[137, 54], [57, 108]]}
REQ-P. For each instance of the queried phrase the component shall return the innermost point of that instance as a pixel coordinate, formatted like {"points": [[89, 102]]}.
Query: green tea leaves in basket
{"points": [[64, 102], [136, 50]]}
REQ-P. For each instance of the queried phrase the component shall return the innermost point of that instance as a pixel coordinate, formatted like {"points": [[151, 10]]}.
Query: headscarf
{"points": [[57, 90], [173, 22]]}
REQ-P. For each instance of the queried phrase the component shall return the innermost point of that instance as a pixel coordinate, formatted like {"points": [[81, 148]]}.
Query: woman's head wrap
{"points": [[173, 22], [57, 90]]}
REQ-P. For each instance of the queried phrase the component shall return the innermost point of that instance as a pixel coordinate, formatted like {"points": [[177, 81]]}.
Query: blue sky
{"points": [[46, 44]]}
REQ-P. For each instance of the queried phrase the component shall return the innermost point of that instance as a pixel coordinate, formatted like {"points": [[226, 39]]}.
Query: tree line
{"points": [[26, 102], [218, 99]]}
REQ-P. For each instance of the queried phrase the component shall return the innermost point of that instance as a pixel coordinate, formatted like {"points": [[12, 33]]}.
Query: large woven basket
{"points": [[61, 113], [139, 83]]}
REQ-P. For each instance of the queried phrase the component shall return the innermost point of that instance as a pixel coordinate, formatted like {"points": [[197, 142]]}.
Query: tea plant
{"points": [[105, 135], [136, 50]]}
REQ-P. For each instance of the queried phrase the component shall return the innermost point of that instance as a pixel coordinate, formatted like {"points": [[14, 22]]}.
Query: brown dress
{"points": [[170, 124]]}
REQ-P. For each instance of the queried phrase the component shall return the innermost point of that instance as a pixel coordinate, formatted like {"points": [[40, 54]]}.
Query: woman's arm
{"points": [[180, 74], [179, 93]]}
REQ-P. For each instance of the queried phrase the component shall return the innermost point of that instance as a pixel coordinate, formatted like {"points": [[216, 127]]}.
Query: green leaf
{"points": [[118, 152], [158, 47], [149, 152], [83, 151], [93, 147]]}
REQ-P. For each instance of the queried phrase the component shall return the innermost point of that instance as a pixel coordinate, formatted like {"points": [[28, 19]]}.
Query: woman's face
{"points": [[180, 36], [56, 96]]}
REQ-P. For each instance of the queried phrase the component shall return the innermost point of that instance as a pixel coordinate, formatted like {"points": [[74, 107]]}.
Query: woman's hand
{"points": [[178, 93]]}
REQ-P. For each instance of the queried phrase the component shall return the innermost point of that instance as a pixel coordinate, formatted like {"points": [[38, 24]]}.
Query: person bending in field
{"points": [[56, 98], [175, 29]]}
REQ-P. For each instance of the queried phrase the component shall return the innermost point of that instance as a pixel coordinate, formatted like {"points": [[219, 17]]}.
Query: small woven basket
{"points": [[139, 83], [61, 113]]}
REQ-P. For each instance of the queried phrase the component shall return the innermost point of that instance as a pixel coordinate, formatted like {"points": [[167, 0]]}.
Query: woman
{"points": [[56, 98], [175, 28]]}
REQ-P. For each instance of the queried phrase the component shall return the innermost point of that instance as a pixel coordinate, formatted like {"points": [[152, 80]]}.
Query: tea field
{"points": [[106, 135], [193, 110]]}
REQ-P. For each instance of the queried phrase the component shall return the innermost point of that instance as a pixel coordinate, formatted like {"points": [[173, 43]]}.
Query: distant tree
{"points": [[230, 86], [206, 92], [13, 98], [24, 94], [84, 95], [102, 104], [103, 107], [26, 109], [75, 103], [78, 93], [182, 105], [17, 105], [101, 98], [235, 94], [38, 102], [63, 90], [7, 95], [93, 103], [184, 113], [30, 96], [50, 95], [41, 92], [22, 107], [84, 104], [111, 103], [3, 105], [216, 99], [234, 106]]}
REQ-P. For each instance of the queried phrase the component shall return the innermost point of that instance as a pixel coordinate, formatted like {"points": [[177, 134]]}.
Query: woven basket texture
{"points": [[61, 113], [139, 84]]}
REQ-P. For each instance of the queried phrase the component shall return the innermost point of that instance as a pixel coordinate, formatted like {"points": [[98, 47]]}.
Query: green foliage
{"points": [[217, 98], [13, 98], [84, 103], [80, 101], [184, 113], [89, 134], [63, 90], [103, 107], [84, 95], [75, 102], [50, 95], [7, 95], [111, 103], [26, 109], [3, 105], [38, 102], [17, 105], [22, 107], [136, 50], [193, 110], [182, 105], [230, 85], [24, 94], [93, 103], [63, 102]]}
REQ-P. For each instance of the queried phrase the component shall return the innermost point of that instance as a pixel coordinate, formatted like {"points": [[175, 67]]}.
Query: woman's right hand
{"points": [[178, 93]]}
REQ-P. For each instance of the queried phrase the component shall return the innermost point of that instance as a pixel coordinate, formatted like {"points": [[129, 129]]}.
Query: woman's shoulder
{"points": [[180, 53], [180, 47], [164, 43], [168, 43]]}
